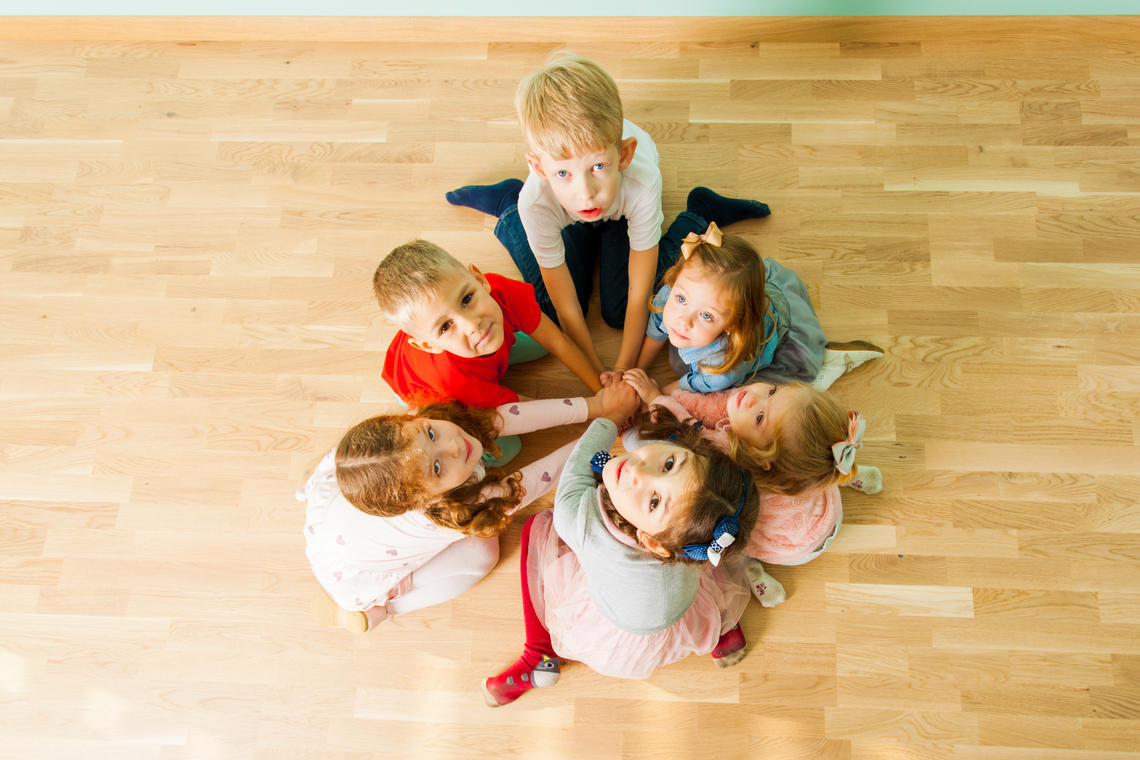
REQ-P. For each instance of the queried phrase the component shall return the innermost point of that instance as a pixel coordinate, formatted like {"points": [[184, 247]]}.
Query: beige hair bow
{"points": [[844, 451], [712, 236]]}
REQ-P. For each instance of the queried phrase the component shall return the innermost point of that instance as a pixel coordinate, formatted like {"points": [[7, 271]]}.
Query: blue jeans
{"points": [[608, 241]]}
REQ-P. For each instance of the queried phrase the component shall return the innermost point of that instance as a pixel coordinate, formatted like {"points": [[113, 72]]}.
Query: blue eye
{"points": [[562, 174], [600, 166], [706, 316], [679, 299], [436, 468]]}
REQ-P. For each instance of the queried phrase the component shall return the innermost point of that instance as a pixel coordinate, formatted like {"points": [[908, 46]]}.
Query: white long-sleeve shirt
{"points": [[360, 558]]}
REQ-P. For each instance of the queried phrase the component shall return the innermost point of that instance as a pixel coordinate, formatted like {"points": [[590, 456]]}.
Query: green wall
{"points": [[574, 8]]}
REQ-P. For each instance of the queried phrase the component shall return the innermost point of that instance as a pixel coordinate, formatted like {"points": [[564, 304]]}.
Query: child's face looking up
{"points": [[697, 310], [585, 184], [461, 318], [757, 411], [650, 485], [445, 453]]}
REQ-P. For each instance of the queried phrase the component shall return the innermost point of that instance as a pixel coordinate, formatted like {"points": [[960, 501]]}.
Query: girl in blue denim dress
{"points": [[730, 315]]}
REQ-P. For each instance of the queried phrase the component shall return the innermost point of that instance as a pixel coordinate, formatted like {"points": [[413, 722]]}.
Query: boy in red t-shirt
{"points": [[457, 328]]}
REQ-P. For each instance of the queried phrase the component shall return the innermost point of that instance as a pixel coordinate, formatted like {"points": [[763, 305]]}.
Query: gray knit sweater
{"points": [[635, 591]]}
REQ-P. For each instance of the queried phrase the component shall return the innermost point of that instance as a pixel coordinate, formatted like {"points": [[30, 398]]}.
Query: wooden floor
{"points": [[187, 232]]}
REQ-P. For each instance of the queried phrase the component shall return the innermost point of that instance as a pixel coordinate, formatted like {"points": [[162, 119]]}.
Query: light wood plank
{"points": [[190, 211]]}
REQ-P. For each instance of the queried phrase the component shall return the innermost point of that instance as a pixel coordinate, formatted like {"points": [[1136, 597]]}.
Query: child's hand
{"points": [[495, 489], [504, 489], [619, 401], [645, 386], [610, 376]]}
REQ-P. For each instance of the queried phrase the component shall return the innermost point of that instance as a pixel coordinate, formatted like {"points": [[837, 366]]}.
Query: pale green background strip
{"points": [[575, 8]]}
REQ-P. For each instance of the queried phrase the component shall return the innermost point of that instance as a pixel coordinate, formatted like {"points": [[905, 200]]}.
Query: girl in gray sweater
{"points": [[637, 572]]}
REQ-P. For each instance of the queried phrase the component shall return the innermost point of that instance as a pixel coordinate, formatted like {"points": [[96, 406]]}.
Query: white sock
{"points": [[767, 590], [867, 479]]}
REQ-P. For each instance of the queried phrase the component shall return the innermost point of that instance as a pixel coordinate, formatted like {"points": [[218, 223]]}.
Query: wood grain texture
{"points": [[190, 211]]}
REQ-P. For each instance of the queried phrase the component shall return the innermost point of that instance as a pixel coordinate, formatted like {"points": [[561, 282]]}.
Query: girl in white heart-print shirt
{"points": [[403, 515]]}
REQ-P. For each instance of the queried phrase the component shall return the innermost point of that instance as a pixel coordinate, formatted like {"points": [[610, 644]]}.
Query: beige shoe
{"points": [[329, 613], [839, 358]]}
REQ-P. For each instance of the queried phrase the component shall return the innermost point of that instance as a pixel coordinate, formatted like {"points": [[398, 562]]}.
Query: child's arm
{"points": [[538, 477], [528, 416], [642, 269], [656, 336], [556, 342], [578, 479], [650, 347], [575, 489], [565, 299]]}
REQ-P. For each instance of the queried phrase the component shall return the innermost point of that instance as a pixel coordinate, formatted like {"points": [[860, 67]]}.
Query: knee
{"points": [[486, 556], [614, 315]]}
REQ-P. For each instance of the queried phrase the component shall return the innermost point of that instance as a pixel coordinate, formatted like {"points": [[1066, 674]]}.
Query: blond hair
{"points": [[799, 458], [569, 107], [410, 275]]}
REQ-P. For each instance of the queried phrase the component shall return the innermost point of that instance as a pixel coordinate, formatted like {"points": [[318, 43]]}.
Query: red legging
{"points": [[537, 637]]}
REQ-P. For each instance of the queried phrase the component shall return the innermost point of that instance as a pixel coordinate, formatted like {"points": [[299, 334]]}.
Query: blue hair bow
{"points": [[724, 534], [598, 461]]}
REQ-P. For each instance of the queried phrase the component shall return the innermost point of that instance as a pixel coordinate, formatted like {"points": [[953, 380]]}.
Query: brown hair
{"points": [[376, 475], [409, 275], [717, 493], [569, 107], [799, 459], [740, 270]]}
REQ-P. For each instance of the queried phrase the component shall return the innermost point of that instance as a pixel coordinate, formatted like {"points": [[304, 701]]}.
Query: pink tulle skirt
{"points": [[791, 530], [579, 631]]}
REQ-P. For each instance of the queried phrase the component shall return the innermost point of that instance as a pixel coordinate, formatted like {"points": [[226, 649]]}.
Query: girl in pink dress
{"points": [[800, 444], [638, 572], [402, 514]]}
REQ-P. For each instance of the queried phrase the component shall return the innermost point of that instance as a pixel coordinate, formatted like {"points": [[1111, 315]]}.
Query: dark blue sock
{"points": [[724, 211], [490, 199]]}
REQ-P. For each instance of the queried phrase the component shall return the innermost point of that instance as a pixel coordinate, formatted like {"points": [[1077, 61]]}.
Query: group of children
{"points": [[648, 556]]}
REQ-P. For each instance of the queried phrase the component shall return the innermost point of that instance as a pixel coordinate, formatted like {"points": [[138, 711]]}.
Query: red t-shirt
{"points": [[421, 377]]}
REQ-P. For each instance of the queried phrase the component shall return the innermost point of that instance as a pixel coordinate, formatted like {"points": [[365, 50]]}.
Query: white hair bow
{"points": [[722, 542]]}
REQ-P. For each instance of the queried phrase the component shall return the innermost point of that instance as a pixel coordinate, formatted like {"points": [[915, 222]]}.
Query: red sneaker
{"points": [[730, 649], [519, 678]]}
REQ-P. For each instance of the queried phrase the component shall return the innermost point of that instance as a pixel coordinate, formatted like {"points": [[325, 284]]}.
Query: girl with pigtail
{"points": [[798, 443]]}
